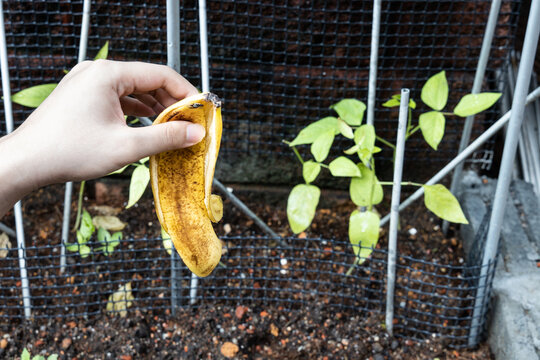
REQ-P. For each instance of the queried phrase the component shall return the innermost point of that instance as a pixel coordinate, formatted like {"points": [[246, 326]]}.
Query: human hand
{"points": [[79, 132]]}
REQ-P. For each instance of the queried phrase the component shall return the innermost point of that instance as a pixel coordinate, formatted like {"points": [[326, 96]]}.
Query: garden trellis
{"points": [[277, 66]]}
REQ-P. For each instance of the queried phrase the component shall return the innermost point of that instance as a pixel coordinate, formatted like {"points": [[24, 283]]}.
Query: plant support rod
{"points": [[17, 209], [394, 210], [477, 87], [83, 45], [374, 54], [530, 44]]}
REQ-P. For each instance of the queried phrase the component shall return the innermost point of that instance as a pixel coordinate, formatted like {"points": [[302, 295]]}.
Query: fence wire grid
{"points": [[278, 65]]}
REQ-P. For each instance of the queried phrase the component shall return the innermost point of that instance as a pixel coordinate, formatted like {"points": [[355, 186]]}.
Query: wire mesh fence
{"points": [[254, 270]]}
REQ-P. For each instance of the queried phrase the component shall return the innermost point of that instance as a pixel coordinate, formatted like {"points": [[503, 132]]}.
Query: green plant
{"points": [[365, 189], [26, 356], [107, 241]]}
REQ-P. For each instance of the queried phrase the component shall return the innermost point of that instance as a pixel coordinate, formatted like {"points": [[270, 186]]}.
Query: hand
{"points": [[79, 132]]}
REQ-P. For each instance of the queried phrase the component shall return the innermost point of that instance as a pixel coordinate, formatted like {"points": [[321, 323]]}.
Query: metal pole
{"points": [[19, 226], [492, 130], [83, 45], [372, 85], [477, 87], [394, 212], [8, 230], [173, 61], [509, 154]]}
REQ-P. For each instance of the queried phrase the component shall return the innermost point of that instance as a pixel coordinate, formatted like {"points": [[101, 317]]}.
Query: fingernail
{"points": [[194, 134]]}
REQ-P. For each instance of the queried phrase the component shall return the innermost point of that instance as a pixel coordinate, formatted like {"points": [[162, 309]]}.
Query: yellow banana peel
{"points": [[182, 182]]}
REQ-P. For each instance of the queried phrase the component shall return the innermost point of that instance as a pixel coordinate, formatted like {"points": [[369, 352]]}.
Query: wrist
{"points": [[16, 173]]}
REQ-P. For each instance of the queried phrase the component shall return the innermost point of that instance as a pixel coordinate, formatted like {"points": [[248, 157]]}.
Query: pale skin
{"points": [[79, 132]]}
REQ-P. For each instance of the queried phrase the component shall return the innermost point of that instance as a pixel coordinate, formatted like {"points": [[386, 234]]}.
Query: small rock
{"points": [[3, 343], [394, 345], [66, 343], [240, 311], [377, 347], [229, 349], [378, 357], [227, 229], [126, 357]]}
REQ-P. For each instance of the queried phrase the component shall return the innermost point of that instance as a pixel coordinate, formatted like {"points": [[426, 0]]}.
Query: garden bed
{"points": [[314, 309]]}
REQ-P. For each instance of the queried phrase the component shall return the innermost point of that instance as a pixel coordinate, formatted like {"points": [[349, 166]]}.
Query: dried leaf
{"points": [[108, 222], [5, 245], [121, 300]]}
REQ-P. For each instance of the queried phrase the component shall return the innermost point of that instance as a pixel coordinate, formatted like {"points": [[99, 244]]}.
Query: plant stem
{"points": [[415, 129], [298, 155], [324, 165], [403, 183], [385, 142], [79, 206], [349, 272]]}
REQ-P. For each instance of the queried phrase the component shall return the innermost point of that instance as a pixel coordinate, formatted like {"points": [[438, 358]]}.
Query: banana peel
{"points": [[181, 182]]}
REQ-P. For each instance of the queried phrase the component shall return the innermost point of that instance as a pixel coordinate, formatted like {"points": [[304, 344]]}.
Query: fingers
{"points": [[139, 78], [134, 107], [151, 140]]}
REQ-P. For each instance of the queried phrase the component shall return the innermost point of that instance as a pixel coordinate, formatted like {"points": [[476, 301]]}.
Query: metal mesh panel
{"points": [[255, 271]]}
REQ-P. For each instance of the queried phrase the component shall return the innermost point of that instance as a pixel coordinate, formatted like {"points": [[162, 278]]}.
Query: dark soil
{"points": [[242, 330]]}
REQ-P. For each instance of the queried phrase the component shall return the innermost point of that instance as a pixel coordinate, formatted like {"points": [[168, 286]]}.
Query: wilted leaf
{"points": [[321, 146], [33, 96], [363, 233], [432, 126], [472, 104], [111, 223], [435, 91], [301, 206], [442, 203], [120, 300], [310, 170], [350, 110], [311, 132], [5, 245], [139, 181], [360, 188], [343, 166]]}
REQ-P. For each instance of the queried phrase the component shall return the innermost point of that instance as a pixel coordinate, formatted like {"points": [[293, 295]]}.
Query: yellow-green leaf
{"points": [[139, 181], [311, 132], [350, 110], [442, 203], [435, 91], [103, 52], [361, 187], [301, 206], [321, 146], [472, 104], [363, 233], [344, 167], [33, 96], [432, 126], [310, 170]]}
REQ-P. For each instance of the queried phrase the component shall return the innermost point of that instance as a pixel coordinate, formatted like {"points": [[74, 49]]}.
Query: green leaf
{"points": [[139, 180], [25, 355], [350, 110], [352, 150], [363, 233], [103, 235], [119, 170], [343, 166], [53, 357], [321, 146], [396, 101], [33, 96], [435, 91], [301, 206], [345, 129], [38, 357], [310, 170], [432, 126], [442, 203], [72, 247], [84, 251], [472, 104], [365, 137], [143, 160], [360, 188], [311, 132], [103, 52], [87, 226]]}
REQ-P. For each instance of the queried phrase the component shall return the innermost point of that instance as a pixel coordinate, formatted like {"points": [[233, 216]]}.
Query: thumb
{"points": [[151, 140]]}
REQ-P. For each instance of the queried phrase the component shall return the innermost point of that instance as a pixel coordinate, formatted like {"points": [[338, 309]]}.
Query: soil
{"points": [[250, 329]]}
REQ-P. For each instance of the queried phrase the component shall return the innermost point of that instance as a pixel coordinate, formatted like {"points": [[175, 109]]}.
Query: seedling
{"points": [[365, 189], [26, 356]]}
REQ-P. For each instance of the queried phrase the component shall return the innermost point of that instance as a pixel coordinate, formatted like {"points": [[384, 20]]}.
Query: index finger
{"points": [[138, 78]]}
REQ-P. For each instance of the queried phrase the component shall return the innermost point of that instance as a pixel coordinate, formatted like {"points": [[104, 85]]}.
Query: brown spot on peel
{"points": [[181, 183]]}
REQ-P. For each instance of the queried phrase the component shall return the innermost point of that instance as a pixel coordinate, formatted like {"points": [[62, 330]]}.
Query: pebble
{"points": [[377, 347], [378, 357], [394, 345], [66, 343], [413, 231], [3, 343]]}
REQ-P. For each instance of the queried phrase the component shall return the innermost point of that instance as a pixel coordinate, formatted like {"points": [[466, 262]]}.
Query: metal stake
{"points": [[394, 212], [173, 61], [477, 87], [19, 226], [83, 45], [505, 173], [372, 85], [8, 230], [492, 130]]}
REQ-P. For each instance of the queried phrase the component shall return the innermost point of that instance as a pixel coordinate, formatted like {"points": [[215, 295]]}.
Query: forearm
{"points": [[16, 178]]}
